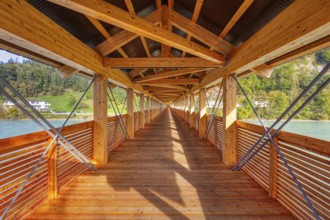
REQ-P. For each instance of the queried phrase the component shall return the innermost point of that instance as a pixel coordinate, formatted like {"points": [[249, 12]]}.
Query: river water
{"points": [[317, 129]]}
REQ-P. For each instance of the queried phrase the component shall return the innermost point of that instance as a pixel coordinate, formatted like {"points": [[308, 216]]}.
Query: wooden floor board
{"points": [[166, 172]]}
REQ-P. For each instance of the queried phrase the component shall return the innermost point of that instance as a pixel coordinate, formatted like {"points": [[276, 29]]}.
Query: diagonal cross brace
{"points": [[292, 105], [270, 138], [19, 191], [117, 111]]}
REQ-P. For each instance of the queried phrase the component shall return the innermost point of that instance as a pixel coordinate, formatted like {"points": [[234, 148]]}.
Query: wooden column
{"points": [[229, 117], [130, 113], [192, 111], [151, 108], [52, 170], [148, 110], [141, 110], [100, 152], [202, 112]]}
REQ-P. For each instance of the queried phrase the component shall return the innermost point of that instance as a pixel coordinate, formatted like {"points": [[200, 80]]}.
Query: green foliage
{"points": [[285, 84]]}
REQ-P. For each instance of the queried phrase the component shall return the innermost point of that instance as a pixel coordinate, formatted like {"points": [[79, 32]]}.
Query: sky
{"points": [[5, 56]]}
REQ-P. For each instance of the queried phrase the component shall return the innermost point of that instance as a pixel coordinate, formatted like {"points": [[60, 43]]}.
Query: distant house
{"points": [[38, 105]]}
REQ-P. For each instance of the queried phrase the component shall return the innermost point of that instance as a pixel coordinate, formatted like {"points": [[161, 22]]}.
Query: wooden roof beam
{"points": [[25, 26], [241, 10], [158, 62], [164, 75], [67, 71], [178, 87], [200, 33], [105, 33], [111, 14], [171, 81], [197, 11], [301, 23], [124, 36]]}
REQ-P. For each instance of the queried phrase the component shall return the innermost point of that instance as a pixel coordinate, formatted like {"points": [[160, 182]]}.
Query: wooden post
{"points": [[141, 110], [130, 113], [192, 111], [187, 110], [273, 170], [52, 170], [229, 153], [148, 110], [202, 112], [151, 108], [100, 152]]}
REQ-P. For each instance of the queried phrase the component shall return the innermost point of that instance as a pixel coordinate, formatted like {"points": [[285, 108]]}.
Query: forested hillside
{"points": [[285, 84], [37, 81]]}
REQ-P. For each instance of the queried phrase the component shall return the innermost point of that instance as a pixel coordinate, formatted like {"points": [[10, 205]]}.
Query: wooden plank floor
{"points": [[165, 173]]}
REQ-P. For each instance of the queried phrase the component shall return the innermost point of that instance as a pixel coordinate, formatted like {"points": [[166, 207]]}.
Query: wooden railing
{"points": [[115, 140], [309, 158], [19, 154]]}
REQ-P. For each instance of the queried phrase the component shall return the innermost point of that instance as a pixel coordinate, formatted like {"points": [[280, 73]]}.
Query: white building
{"points": [[38, 105]]}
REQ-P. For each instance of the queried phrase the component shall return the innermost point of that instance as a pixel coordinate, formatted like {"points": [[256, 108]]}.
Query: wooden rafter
{"points": [[197, 11], [158, 3], [67, 71], [131, 10], [171, 81], [242, 9], [153, 88], [158, 62], [105, 33], [124, 37], [164, 75], [310, 23], [113, 15], [200, 33], [170, 86], [136, 72]]}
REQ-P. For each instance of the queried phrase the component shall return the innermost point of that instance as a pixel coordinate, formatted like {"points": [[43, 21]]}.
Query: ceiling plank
{"points": [[123, 37], [197, 11], [158, 62], [241, 10], [153, 88], [200, 33], [300, 24], [165, 49], [111, 14], [171, 81], [105, 33], [178, 72]]}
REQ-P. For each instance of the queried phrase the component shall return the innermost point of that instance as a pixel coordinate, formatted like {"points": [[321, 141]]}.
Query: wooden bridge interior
{"points": [[166, 172], [169, 53]]}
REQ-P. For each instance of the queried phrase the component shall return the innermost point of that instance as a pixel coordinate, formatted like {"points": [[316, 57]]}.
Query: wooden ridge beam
{"points": [[171, 81], [200, 33], [113, 15], [301, 23], [124, 36], [23, 25], [178, 62], [178, 72], [241, 10]]}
